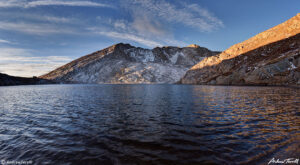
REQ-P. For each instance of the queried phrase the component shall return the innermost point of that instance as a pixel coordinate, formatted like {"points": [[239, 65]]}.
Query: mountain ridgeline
{"points": [[123, 63], [269, 58]]}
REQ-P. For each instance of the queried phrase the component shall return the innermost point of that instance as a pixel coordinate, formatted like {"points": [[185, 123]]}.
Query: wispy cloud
{"points": [[27, 69], [152, 22], [130, 37], [142, 29], [146, 25], [29, 17], [47, 18], [191, 15], [11, 3], [22, 62], [37, 3], [55, 19], [4, 41], [35, 28], [65, 3]]}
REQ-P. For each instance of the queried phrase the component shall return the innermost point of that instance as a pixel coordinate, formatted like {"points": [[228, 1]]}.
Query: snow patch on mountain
{"points": [[123, 63]]}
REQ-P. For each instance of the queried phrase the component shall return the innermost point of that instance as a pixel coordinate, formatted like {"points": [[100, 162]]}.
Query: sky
{"points": [[37, 36]]}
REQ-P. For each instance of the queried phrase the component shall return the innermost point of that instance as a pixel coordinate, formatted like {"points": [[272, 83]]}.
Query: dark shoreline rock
{"points": [[6, 80]]}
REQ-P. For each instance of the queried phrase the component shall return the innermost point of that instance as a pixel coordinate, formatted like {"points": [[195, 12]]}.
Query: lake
{"points": [[148, 124]]}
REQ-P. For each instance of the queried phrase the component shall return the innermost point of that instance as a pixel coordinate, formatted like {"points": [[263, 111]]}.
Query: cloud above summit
{"points": [[190, 15]]}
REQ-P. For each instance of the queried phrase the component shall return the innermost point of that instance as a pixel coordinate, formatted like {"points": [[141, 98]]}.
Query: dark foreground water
{"points": [[148, 124]]}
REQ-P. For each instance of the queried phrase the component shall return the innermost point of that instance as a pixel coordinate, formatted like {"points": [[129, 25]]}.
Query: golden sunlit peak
{"points": [[193, 46]]}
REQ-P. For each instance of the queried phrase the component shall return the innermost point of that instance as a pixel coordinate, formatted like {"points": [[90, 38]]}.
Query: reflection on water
{"points": [[148, 124]]}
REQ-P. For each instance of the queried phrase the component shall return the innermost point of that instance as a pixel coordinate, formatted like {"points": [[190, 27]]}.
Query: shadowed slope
{"points": [[11, 80]]}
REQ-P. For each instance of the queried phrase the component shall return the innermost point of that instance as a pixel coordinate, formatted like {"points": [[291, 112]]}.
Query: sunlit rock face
{"points": [[123, 63], [269, 58]]}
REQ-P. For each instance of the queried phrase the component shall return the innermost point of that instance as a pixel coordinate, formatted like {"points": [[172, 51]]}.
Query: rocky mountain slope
{"points": [[11, 80], [269, 58], [123, 63]]}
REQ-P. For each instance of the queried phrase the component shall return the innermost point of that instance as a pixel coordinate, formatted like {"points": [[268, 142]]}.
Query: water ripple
{"points": [[148, 124]]}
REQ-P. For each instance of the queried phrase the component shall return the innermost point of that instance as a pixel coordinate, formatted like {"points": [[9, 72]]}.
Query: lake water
{"points": [[148, 124]]}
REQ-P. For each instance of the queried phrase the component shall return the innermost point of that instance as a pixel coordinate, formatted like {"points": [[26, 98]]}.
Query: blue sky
{"points": [[36, 36]]}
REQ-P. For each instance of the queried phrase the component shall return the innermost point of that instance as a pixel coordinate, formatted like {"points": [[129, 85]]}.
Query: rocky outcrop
{"points": [[123, 63], [11, 80], [269, 58]]}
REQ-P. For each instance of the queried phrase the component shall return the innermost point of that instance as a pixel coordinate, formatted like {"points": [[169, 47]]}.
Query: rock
{"points": [[193, 46], [123, 63], [269, 58], [11, 80]]}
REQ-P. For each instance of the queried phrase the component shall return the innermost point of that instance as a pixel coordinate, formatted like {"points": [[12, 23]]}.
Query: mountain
{"points": [[123, 63], [11, 80], [269, 58]]}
